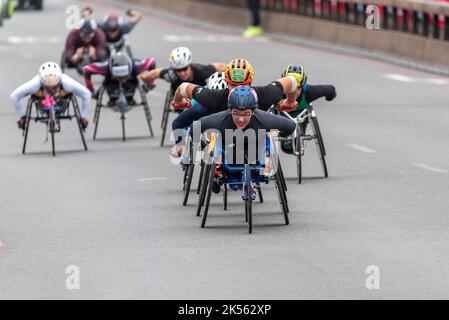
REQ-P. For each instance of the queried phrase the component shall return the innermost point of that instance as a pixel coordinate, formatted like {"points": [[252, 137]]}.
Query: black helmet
{"points": [[296, 71], [111, 22], [88, 27], [120, 65]]}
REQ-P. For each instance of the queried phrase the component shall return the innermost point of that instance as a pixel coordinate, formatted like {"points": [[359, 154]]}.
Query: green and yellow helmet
{"points": [[296, 71]]}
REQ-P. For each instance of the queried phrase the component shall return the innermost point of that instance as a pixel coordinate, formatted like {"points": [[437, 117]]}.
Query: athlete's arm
{"points": [[150, 76], [135, 15], [315, 92], [141, 66], [24, 90], [94, 68]]}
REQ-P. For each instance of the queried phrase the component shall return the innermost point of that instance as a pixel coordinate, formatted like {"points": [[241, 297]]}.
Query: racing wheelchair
{"points": [[246, 178], [121, 105], [50, 114], [298, 140], [189, 164]]}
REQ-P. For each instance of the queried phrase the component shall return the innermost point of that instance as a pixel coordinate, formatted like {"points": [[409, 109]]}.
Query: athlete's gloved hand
{"points": [[185, 103], [287, 107], [90, 87], [84, 123], [21, 122], [332, 96], [147, 87]]}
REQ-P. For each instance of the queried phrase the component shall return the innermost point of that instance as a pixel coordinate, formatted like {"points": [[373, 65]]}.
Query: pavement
{"points": [[115, 212]]}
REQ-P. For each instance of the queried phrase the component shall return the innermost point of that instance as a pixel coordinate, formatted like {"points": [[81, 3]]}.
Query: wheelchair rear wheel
{"points": [[209, 186]]}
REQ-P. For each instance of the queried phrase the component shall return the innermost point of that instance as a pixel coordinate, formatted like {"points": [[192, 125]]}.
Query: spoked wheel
{"points": [[123, 110], [27, 125], [282, 198], [225, 197], [146, 108], [259, 193], [320, 145], [209, 186], [188, 182], [299, 159], [165, 116], [203, 188], [78, 120], [281, 175], [123, 118], [200, 179], [98, 111], [248, 200], [52, 129]]}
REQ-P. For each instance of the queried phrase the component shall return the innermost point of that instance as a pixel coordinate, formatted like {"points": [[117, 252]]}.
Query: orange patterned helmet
{"points": [[239, 72]]}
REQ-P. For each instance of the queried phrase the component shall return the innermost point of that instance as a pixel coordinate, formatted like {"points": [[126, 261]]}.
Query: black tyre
{"points": [[209, 186], [198, 189], [188, 182], [52, 133], [248, 201], [282, 198], [299, 160], [203, 187], [320, 146], [78, 120], [259, 193], [225, 197]]}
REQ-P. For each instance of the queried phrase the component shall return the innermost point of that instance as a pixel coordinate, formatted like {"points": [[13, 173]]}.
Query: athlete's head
{"points": [[242, 101], [180, 61], [50, 75], [239, 72]]}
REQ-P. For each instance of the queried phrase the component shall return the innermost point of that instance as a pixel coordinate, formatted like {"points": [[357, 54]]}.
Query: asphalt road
{"points": [[115, 211]]}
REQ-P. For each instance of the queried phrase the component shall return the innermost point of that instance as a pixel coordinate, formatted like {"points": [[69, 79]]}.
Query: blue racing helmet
{"points": [[243, 98]]}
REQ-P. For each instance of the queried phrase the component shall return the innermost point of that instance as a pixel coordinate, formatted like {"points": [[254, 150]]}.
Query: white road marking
{"points": [[403, 78], [31, 40], [153, 179], [210, 38], [360, 148], [429, 168]]}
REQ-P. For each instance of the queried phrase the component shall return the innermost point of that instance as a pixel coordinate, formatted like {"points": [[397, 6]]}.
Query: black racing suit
{"points": [[217, 100], [261, 123]]}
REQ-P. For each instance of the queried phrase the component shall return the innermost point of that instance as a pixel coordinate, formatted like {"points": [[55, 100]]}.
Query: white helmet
{"points": [[217, 81], [50, 74], [180, 58]]}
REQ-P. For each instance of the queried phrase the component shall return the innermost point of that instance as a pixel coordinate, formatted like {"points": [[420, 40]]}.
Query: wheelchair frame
{"points": [[299, 138], [46, 118], [124, 107], [245, 176]]}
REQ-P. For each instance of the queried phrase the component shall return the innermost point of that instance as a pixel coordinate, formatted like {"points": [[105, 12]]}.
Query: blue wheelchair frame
{"points": [[240, 177]]}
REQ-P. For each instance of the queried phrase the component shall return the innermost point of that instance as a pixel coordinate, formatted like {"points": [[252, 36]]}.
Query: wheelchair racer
{"points": [[238, 72], [50, 82], [197, 111], [115, 28], [87, 36], [306, 95], [119, 69], [182, 69], [242, 113]]}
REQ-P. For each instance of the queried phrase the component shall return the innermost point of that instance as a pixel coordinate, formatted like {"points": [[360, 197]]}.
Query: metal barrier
{"points": [[423, 18]]}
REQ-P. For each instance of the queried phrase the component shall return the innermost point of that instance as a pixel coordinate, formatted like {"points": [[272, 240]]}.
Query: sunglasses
{"points": [[245, 114], [182, 70]]}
